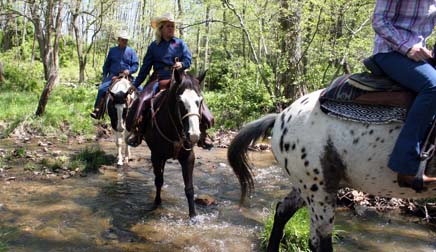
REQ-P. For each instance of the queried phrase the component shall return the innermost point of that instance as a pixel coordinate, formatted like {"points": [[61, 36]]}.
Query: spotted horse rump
{"points": [[321, 154]]}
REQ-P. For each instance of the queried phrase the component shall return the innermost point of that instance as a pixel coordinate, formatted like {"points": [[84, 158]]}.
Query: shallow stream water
{"points": [[111, 211]]}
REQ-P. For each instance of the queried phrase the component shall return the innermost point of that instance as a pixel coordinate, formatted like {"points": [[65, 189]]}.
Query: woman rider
{"points": [[164, 54], [401, 29]]}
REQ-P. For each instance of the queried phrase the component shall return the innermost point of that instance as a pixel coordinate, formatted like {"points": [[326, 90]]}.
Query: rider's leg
{"points": [[99, 99], [421, 78], [135, 116], [207, 121]]}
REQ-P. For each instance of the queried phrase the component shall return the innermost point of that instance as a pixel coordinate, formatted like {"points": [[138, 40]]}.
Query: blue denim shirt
{"points": [[119, 60], [162, 56]]}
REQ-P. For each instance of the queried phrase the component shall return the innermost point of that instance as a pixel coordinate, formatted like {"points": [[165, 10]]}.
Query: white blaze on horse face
{"points": [[191, 100]]}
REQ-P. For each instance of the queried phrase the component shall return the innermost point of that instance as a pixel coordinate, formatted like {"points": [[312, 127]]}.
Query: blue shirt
{"points": [[119, 60], [162, 56], [401, 24]]}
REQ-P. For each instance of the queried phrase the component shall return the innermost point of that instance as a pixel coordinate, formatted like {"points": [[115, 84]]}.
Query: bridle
{"points": [[182, 138]]}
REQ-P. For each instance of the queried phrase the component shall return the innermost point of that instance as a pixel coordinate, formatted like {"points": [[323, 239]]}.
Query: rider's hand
{"points": [[418, 53], [126, 72], [178, 65]]}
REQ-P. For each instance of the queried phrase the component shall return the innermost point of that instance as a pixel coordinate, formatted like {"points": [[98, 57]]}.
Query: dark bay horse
{"points": [[320, 154], [119, 97], [172, 129]]}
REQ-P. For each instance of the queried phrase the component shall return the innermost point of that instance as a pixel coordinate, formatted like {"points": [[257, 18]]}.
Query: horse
{"points": [[171, 130], [320, 154], [119, 97]]}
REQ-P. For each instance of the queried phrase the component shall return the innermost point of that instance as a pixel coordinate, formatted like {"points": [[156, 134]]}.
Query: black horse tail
{"points": [[237, 151]]}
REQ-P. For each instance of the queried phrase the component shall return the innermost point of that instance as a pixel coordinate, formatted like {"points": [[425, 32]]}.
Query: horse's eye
{"points": [[197, 103]]}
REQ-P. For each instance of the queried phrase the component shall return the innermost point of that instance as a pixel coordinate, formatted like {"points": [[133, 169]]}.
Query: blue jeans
{"points": [[419, 77], [102, 90]]}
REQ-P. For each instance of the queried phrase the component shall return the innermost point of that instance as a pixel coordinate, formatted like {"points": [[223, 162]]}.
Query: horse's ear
{"points": [[202, 76], [178, 76]]}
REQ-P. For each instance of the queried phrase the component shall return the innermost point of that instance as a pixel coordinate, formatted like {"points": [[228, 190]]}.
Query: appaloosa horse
{"points": [[172, 129], [320, 154], [119, 97]]}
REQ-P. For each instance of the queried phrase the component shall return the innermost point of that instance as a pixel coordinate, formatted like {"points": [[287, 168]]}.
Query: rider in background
{"points": [[164, 54], [401, 29], [121, 59]]}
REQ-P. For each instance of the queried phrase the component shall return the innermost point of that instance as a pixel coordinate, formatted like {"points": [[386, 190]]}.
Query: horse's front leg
{"points": [[284, 211], [187, 163], [126, 147], [158, 169], [119, 141]]}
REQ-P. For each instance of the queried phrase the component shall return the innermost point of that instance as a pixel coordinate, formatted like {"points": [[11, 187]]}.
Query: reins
{"points": [[181, 136]]}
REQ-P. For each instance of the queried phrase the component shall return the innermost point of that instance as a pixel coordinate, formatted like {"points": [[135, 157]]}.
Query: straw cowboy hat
{"points": [[166, 17], [123, 35]]}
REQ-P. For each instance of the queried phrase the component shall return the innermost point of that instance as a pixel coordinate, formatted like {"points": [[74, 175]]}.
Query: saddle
{"points": [[368, 97], [373, 98]]}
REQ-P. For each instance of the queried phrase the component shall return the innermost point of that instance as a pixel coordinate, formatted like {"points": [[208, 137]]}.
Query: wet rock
{"points": [[222, 165], [205, 200]]}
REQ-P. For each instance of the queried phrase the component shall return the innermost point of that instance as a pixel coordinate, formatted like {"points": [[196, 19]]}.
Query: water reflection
{"points": [[112, 211]]}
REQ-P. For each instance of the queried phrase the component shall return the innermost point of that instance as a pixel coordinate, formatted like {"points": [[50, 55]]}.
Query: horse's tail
{"points": [[237, 151]]}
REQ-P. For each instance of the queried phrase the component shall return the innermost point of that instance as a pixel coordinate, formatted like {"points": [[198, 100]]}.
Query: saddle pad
{"points": [[369, 114]]}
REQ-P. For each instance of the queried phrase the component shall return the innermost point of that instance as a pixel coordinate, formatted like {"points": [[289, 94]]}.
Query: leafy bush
{"points": [[22, 75], [241, 98]]}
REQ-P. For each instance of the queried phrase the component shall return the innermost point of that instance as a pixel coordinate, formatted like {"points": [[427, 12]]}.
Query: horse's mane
{"points": [[189, 82]]}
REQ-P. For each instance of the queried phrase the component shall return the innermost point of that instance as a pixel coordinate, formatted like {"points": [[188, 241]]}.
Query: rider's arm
{"points": [[383, 25], [145, 68], [134, 63], [107, 64], [187, 57]]}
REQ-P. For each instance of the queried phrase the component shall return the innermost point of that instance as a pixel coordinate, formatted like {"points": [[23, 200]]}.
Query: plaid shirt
{"points": [[401, 24]]}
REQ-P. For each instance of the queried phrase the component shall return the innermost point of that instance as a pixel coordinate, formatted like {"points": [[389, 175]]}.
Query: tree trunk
{"points": [[43, 100], [79, 43], [180, 16], [49, 44], [290, 44], [206, 42]]}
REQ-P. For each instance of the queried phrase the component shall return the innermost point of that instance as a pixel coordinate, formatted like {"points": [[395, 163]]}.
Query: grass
{"points": [[296, 233], [91, 159], [67, 112], [7, 234]]}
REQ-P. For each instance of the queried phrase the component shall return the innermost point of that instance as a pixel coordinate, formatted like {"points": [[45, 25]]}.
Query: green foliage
{"points": [[242, 98], [7, 234], [296, 232], [92, 158], [67, 111], [21, 75]]}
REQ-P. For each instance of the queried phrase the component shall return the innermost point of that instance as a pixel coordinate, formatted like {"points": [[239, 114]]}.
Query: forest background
{"points": [[260, 54]]}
